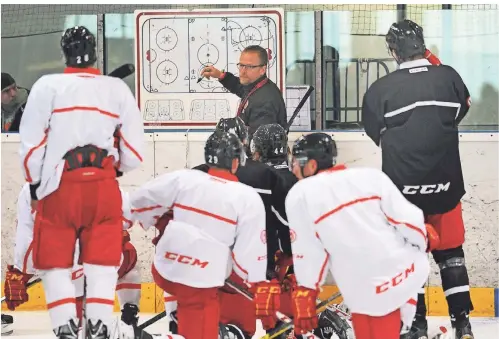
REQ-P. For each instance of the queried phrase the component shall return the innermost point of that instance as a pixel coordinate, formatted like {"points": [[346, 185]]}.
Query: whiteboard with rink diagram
{"points": [[173, 46]]}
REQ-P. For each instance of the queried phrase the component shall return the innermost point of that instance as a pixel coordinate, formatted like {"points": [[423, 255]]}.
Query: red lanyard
{"points": [[245, 100]]}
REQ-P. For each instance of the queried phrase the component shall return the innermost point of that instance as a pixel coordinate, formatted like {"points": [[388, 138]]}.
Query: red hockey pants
{"points": [[86, 206], [198, 309]]}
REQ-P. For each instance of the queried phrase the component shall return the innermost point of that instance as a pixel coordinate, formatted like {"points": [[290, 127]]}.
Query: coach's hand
{"points": [[15, 289], [267, 302], [211, 72], [304, 310]]}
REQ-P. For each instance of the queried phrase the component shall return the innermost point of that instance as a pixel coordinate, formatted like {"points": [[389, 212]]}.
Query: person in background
{"points": [[13, 102], [262, 102]]}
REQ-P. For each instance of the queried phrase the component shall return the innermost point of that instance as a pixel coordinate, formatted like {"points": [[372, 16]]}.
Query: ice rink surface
{"points": [[36, 325]]}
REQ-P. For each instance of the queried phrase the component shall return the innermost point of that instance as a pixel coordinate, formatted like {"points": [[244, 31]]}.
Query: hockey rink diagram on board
{"points": [[164, 110], [173, 47]]}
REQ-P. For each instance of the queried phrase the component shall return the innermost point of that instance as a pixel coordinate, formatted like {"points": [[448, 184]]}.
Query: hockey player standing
{"points": [[413, 115], [214, 218], [69, 159], [356, 223]]}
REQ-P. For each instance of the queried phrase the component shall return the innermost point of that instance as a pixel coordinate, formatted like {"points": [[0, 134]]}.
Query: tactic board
{"points": [[172, 47], [303, 121]]}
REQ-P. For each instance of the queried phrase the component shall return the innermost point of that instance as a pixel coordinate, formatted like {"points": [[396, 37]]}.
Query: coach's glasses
{"points": [[243, 66]]}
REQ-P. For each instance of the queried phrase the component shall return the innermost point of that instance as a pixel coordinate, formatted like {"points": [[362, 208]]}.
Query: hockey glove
{"points": [[304, 310], [15, 290], [267, 301], [161, 225], [433, 238], [432, 58], [283, 264]]}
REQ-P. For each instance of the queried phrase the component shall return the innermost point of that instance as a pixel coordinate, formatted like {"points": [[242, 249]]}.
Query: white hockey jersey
{"points": [[214, 215], [23, 249], [74, 109], [357, 223]]}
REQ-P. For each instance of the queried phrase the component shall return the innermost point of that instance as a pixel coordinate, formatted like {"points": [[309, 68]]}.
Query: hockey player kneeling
{"points": [[215, 229], [356, 223]]}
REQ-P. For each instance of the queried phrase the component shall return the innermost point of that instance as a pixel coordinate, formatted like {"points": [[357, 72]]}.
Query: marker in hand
{"points": [[201, 77]]}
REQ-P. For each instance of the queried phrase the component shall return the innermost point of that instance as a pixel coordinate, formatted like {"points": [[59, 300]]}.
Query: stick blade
{"points": [[123, 71]]}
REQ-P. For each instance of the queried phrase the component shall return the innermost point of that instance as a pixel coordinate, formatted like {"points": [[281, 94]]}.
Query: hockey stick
{"points": [[299, 107], [151, 321], [123, 71], [28, 285]]}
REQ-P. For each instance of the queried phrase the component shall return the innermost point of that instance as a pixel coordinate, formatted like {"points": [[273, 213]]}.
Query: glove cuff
{"points": [[32, 190], [14, 270]]}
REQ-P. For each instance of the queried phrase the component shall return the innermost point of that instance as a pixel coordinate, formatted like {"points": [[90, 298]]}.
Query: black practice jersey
{"points": [[413, 115]]}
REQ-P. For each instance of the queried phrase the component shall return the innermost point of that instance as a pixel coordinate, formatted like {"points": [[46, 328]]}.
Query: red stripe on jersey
{"points": [[356, 201], [212, 215], [30, 153], [85, 108]]}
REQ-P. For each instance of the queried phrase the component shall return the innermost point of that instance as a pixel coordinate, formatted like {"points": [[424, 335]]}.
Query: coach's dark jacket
{"points": [[264, 106]]}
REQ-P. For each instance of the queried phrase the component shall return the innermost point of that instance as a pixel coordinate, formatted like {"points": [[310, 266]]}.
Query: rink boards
{"points": [[174, 150]]}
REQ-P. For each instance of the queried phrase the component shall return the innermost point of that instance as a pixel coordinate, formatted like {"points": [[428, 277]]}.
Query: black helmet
{"points": [[221, 148], [406, 39], [315, 146], [79, 47], [235, 126], [271, 142]]}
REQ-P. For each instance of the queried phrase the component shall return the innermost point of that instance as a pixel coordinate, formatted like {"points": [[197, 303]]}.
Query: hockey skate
{"points": [[96, 330], [68, 331], [464, 332], [7, 323], [419, 330], [462, 326], [129, 314]]}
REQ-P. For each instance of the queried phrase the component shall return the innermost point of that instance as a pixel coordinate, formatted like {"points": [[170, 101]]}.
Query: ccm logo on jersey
{"points": [[395, 281], [426, 189], [77, 274], [184, 259]]}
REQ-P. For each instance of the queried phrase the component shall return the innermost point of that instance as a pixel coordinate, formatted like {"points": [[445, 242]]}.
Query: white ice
{"points": [[36, 325]]}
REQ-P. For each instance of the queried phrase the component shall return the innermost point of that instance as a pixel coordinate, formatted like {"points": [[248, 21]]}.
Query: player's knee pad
{"points": [[455, 280]]}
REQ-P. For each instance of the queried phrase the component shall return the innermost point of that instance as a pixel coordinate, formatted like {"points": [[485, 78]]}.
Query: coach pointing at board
{"points": [[261, 100]]}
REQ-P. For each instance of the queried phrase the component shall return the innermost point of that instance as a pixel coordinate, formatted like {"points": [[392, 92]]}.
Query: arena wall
{"points": [[169, 151]]}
